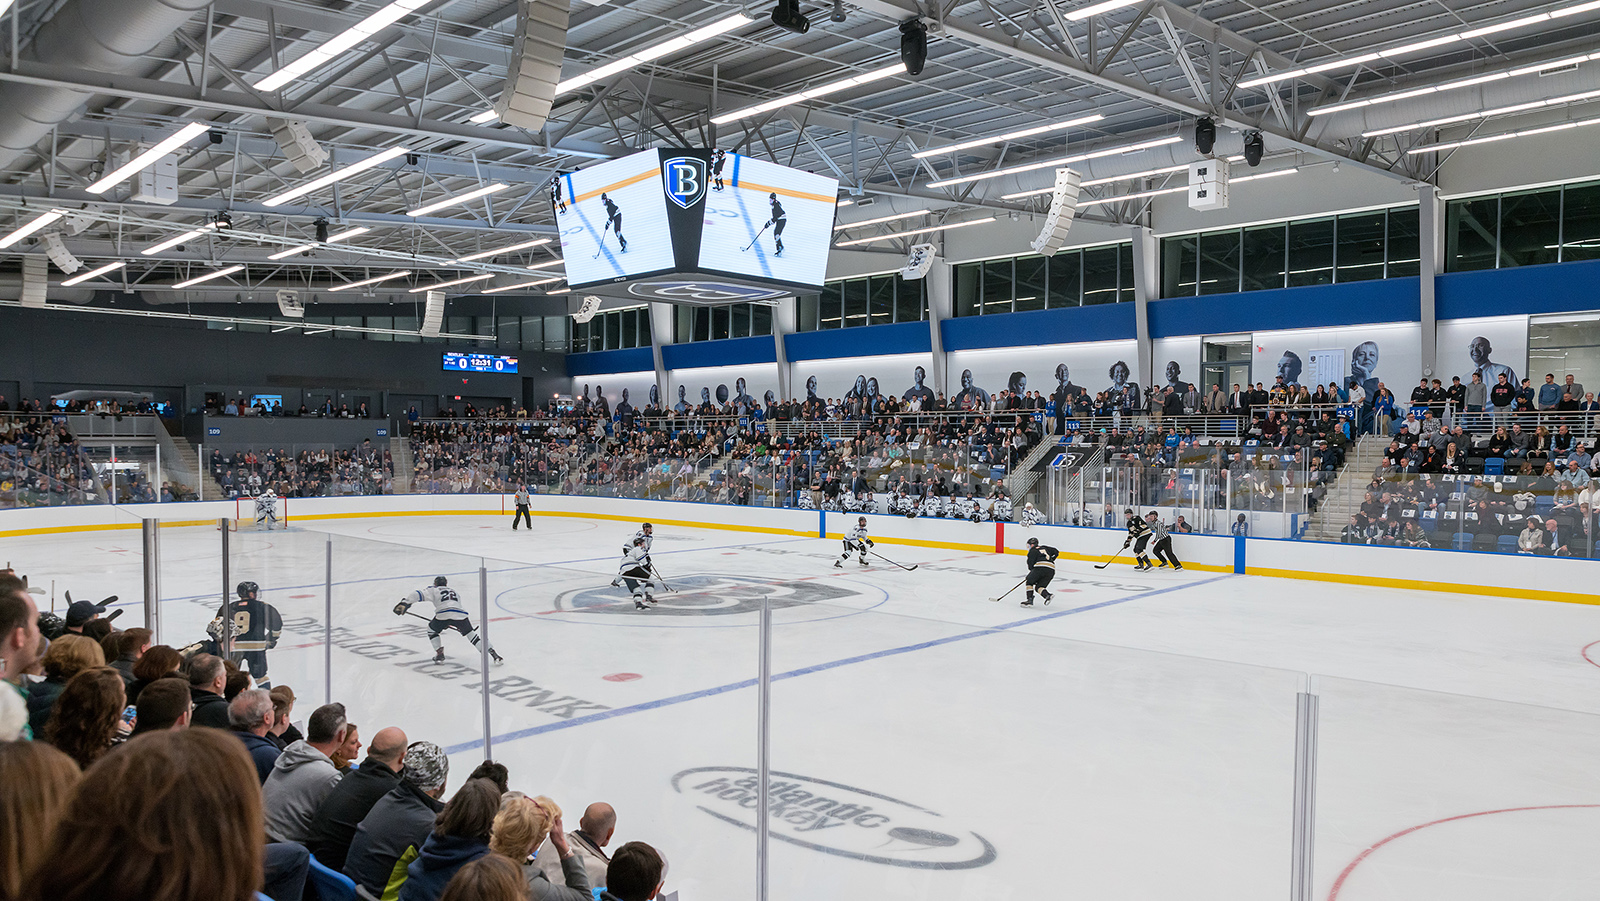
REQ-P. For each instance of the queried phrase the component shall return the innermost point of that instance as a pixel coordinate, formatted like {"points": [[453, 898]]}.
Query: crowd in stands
{"points": [[102, 407], [238, 406], [42, 465], [362, 470], [130, 770]]}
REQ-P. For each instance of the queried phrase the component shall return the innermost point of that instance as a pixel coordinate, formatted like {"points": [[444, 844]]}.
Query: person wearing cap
{"points": [[81, 613], [401, 820]]}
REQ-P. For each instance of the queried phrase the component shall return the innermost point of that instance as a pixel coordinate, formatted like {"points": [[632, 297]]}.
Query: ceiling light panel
{"points": [[340, 43], [33, 225], [545, 265], [94, 273], [1095, 9], [832, 87], [537, 281], [174, 242], [1058, 161], [209, 276], [1458, 84], [1504, 136], [1159, 192], [372, 281], [1008, 136], [503, 250], [917, 231], [840, 228], [466, 197], [656, 51], [451, 284], [149, 157], [1485, 114], [317, 184]]}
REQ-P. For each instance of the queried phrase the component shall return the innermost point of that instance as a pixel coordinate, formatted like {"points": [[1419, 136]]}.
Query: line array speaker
{"points": [[535, 67], [1063, 206], [35, 280], [433, 314]]}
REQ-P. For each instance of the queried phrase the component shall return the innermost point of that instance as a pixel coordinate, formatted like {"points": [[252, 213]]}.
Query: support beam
{"points": [[1146, 287], [661, 315], [1431, 220], [783, 319], [937, 285]]}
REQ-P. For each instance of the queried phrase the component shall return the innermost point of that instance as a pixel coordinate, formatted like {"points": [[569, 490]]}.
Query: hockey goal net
{"points": [[249, 515]]}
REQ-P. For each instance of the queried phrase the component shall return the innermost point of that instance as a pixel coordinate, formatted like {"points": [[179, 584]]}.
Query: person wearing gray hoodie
{"points": [[303, 776]]}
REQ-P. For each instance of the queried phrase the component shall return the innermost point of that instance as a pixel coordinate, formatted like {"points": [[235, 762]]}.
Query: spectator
{"points": [[19, 636], [87, 715], [396, 827], [343, 758], [489, 878], [208, 679], [250, 716], [68, 656], [1476, 397], [1502, 395], [588, 841], [180, 798], [1555, 540], [1531, 539], [354, 797], [637, 873], [159, 662], [36, 785], [1549, 393], [460, 837], [284, 733], [127, 647], [1240, 527], [303, 776], [238, 680], [81, 613], [522, 826], [163, 705]]}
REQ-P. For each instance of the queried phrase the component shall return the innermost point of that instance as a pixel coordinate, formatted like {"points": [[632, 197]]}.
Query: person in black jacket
{"points": [[353, 798], [1041, 569], [400, 820], [208, 677], [1139, 537]]}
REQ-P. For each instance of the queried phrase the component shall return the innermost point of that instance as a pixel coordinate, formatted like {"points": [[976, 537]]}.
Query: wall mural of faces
{"points": [[725, 387], [1369, 354], [1054, 372], [623, 391], [1488, 347]]}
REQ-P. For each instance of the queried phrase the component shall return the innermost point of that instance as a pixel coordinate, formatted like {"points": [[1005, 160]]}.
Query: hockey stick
{"points": [[1113, 558], [887, 560], [662, 578], [603, 232], [1011, 589], [756, 238]]}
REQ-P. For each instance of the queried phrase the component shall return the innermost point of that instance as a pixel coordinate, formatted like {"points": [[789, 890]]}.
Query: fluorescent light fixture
{"points": [[1487, 113], [494, 253], [1131, 176], [348, 234], [840, 228], [545, 265], [1458, 84], [339, 43], [484, 117], [1095, 9], [1058, 161], [290, 252], [918, 231], [322, 181], [209, 276], [174, 242], [473, 194], [559, 291], [537, 281], [1008, 136], [673, 45], [1429, 44], [844, 203], [1506, 136], [451, 284], [1180, 189], [144, 160], [832, 87], [94, 273], [372, 281], [332, 239], [33, 225]]}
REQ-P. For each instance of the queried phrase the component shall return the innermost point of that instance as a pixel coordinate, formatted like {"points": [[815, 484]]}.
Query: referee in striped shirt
{"points": [[1161, 542]]}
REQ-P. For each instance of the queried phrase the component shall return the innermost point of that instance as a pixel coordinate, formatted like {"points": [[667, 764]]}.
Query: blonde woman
{"points": [[520, 828]]}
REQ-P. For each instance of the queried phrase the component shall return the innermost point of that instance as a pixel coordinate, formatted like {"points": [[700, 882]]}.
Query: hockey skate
{"points": [[1046, 595], [498, 660], [863, 561], [639, 604], [1027, 603], [1177, 567], [838, 565], [649, 599], [438, 656], [617, 582]]}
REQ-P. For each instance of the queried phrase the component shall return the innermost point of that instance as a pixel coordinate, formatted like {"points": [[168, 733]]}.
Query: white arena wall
{"points": [[1466, 572]]}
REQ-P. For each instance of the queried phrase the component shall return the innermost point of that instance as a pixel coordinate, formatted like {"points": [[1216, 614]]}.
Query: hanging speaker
{"points": [[535, 67], [35, 280], [1063, 206], [433, 315], [301, 149], [591, 306], [289, 304], [919, 261], [60, 255]]}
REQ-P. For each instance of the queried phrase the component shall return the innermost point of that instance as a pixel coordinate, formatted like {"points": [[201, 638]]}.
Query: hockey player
{"points": [[1030, 515], [932, 505], [556, 199], [900, 503], [778, 221], [267, 509], [805, 501], [1000, 510], [448, 613], [613, 221], [1161, 542], [634, 572], [1139, 537], [719, 158], [1041, 569], [964, 507], [247, 627], [521, 500], [855, 541], [847, 502]]}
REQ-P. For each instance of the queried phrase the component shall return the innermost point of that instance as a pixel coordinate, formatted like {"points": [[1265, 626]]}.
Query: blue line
{"points": [[817, 668]]}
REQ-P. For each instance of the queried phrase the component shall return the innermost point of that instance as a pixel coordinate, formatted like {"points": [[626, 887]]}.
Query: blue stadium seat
{"points": [[1508, 544], [1463, 541], [331, 885], [1494, 466]]}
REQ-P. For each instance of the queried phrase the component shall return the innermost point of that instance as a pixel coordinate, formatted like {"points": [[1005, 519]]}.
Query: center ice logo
{"points": [[706, 594], [685, 180], [837, 819]]}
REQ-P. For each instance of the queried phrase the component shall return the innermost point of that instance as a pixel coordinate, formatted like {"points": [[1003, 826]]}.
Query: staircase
{"points": [[404, 465], [189, 462], [1346, 491], [1025, 475]]}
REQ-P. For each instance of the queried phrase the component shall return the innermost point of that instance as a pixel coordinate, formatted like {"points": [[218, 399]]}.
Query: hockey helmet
{"points": [[1128, 512], [440, 581], [248, 590], [1033, 542], [861, 519], [638, 541], [647, 527]]}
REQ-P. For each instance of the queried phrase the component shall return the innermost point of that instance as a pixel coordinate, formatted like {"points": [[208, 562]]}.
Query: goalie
{"points": [[448, 614], [247, 628], [267, 510]]}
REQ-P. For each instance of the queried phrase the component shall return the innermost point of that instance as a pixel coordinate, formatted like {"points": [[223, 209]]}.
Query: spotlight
{"points": [[412, 159], [216, 135], [224, 219], [838, 11], [914, 46], [1253, 148], [786, 15], [322, 231], [1205, 136]]}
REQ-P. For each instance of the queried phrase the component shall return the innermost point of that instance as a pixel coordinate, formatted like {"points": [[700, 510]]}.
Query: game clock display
{"points": [[459, 362]]}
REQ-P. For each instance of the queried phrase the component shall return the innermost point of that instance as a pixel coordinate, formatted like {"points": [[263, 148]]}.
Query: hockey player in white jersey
{"points": [[964, 507], [855, 541], [932, 505], [634, 572], [267, 510], [903, 505], [448, 614], [1000, 510], [646, 534], [1030, 515], [848, 502], [805, 501]]}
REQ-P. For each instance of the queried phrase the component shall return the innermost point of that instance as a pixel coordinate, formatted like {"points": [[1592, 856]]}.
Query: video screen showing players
{"points": [[613, 221], [767, 221]]}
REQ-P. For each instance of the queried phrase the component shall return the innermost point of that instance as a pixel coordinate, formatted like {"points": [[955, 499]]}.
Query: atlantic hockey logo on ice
{"points": [[685, 180], [703, 292], [708, 594], [837, 819]]}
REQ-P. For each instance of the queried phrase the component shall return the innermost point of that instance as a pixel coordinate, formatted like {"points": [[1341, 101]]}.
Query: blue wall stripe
{"points": [[602, 362], [728, 352], [1354, 303], [865, 341], [1068, 325], [1547, 288]]}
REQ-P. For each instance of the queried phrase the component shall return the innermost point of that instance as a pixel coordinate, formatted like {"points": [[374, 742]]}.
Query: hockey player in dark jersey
{"points": [[719, 159], [557, 200], [1041, 569], [448, 614], [614, 221], [778, 221], [247, 627], [1139, 537]]}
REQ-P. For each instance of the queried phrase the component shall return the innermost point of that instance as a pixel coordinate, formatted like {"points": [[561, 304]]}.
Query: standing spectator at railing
{"points": [[1567, 404], [1475, 397], [1239, 401], [1363, 410], [1383, 409], [1456, 394], [1525, 396], [1421, 394], [1549, 393], [1572, 386], [1437, 398], [1502, 397]]}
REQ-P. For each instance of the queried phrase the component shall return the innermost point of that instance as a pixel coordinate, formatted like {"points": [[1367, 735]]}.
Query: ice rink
{"points": [[1132, 740]]}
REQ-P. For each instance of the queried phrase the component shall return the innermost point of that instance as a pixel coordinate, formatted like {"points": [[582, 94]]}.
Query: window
{"points": [[910, 303], [969, 283], [1069, 278], [999, 286], [407, 326], [1101, 271], [1066, 279], [1311, 252], [1032, 290], [832, 311], [1469, 234], [880, 299], [1262, 257], [1219, 262], [1580, 222], [630, 328], [1530, 227], [1360, 249], [855, 302], [741, 320], [721, 319], [806, 312], [761, 319], [1180, 260], [357, 322], [508, 334], [1405, 242], [532, 333]]}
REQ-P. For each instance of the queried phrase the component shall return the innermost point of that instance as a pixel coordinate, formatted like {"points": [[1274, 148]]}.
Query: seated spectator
{"points": [[460, 837], [492, 877], [250, 715], [163, 705], [354, 797], [208, 679], [88, 715], [283, 733], [36, 785], [521, 827], [398, 824], [158, 662], [637, 873], [344, 758], [177, 797], [303, 776], [68, 656], [126, 648], [1555, 539], [588, 841]]}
